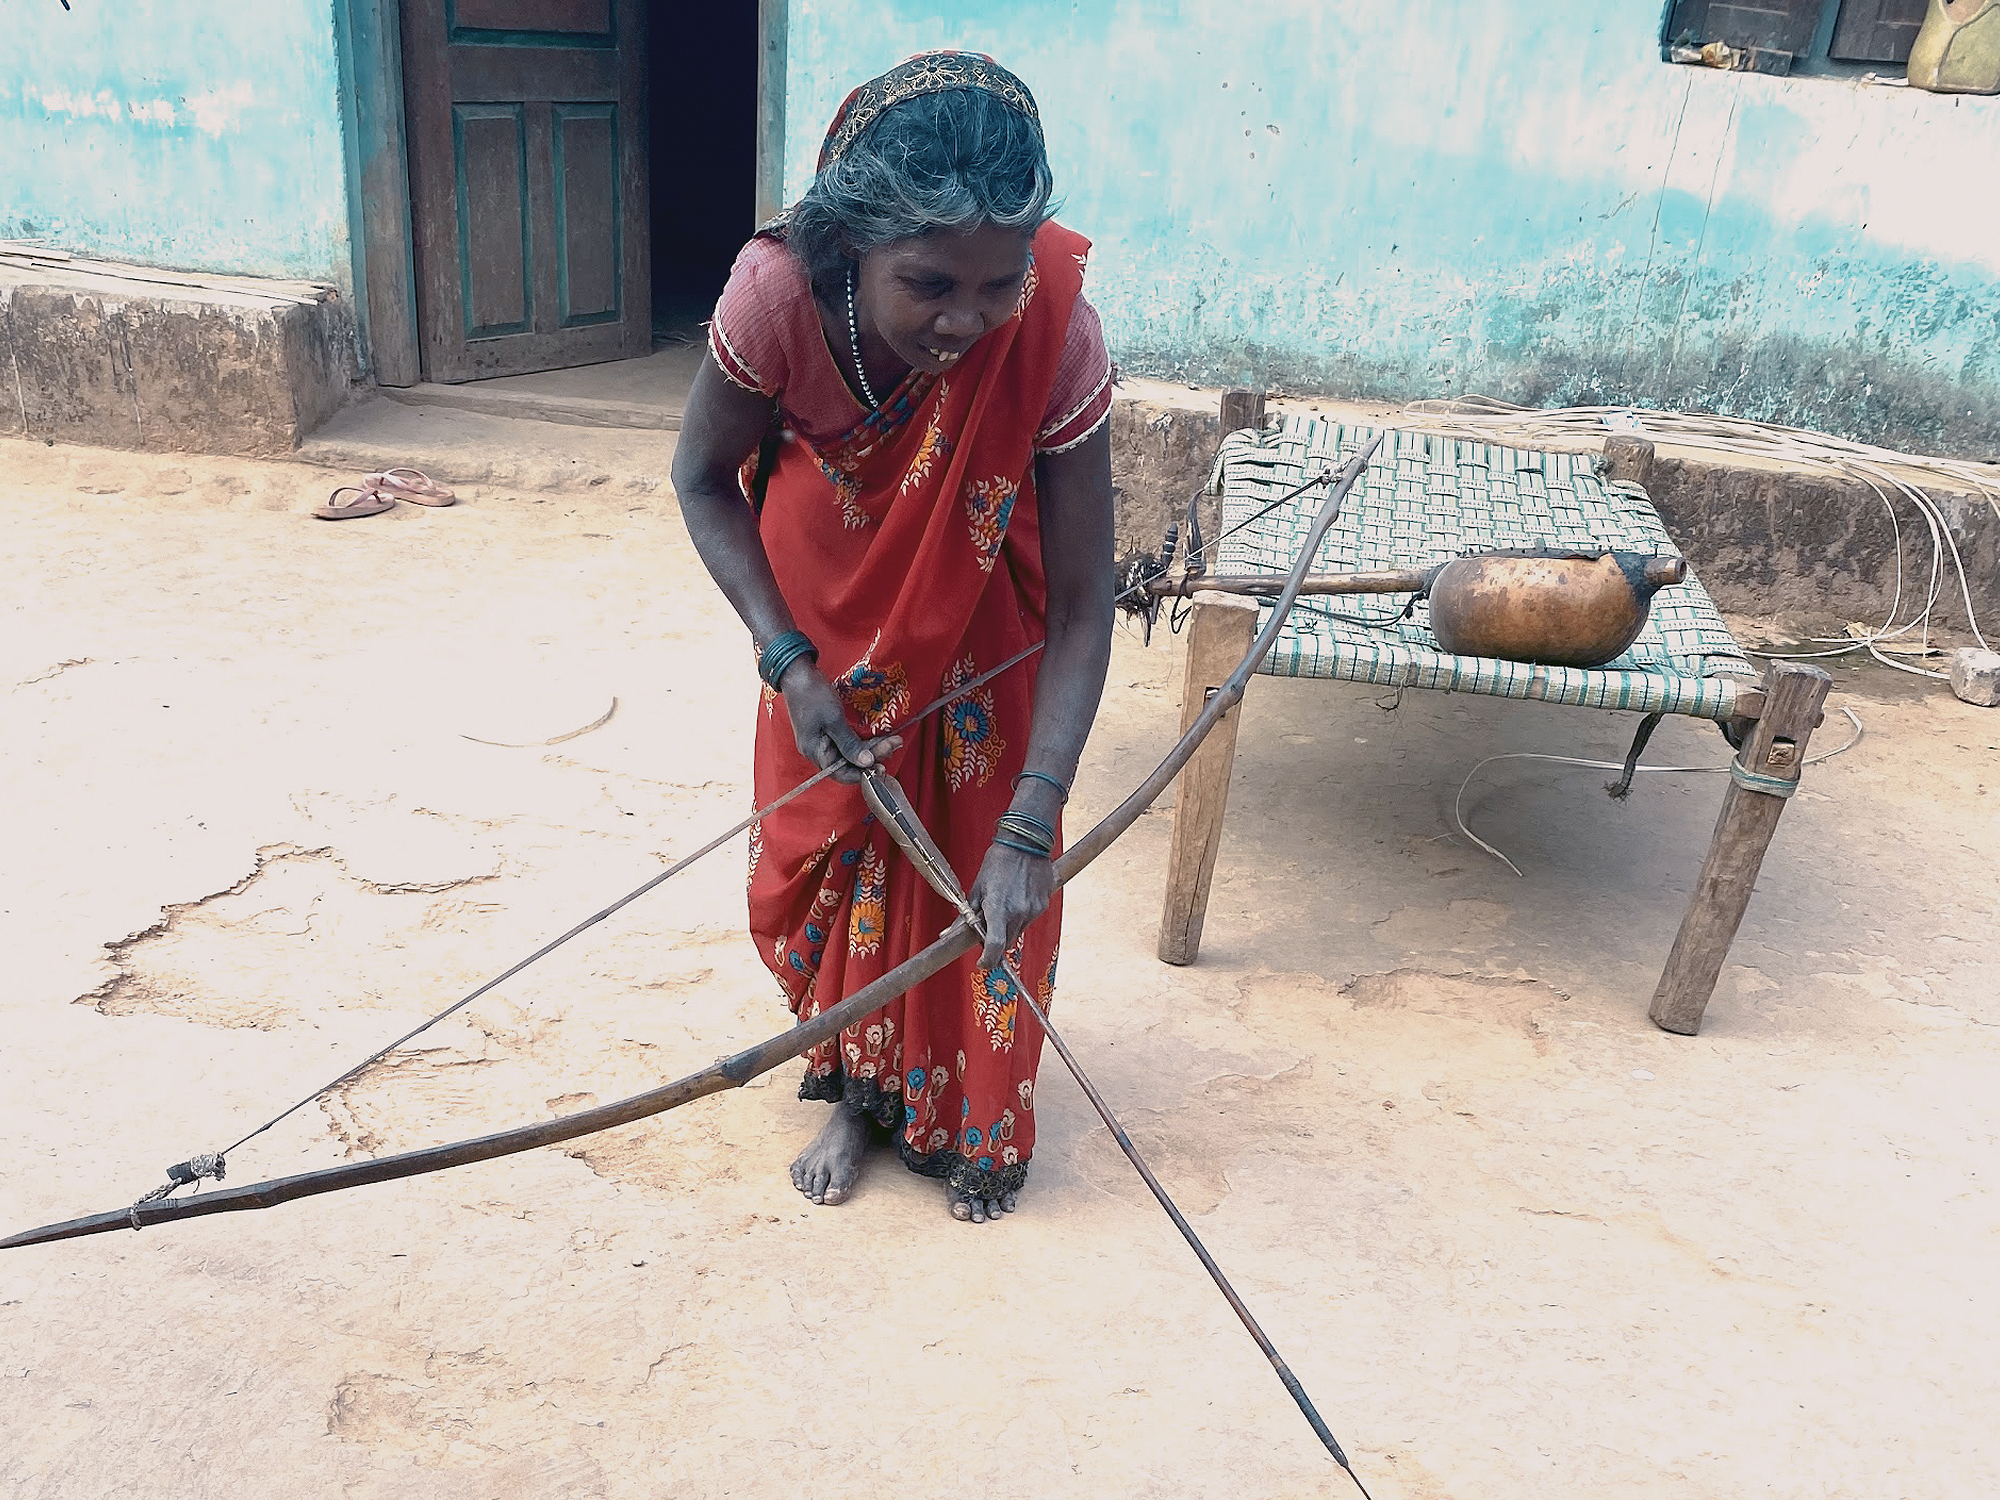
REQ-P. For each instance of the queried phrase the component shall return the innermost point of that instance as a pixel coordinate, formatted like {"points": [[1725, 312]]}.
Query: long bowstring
{"points": [[706, 849], [626, 900]]}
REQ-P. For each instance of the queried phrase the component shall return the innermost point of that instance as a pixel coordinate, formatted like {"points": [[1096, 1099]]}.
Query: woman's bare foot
{"points": [[825, 1170], [970, 1210]]}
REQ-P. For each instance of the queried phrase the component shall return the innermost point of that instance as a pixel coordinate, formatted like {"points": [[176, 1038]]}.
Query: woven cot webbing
{"points": [[1427, 499]]}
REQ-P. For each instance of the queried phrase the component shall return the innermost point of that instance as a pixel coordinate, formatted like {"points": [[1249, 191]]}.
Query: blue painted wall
{"points": [[1515, 197], [197, 134]]}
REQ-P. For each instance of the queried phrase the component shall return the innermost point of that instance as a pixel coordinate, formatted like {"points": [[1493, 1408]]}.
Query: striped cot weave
{"points": [[1426, 499]]}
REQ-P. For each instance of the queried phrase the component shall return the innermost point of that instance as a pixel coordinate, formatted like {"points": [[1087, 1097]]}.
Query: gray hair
{"points": [[951, 160]]}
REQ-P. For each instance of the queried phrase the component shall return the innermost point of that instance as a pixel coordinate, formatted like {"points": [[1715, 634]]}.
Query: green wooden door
{"points": [[528, 179]]}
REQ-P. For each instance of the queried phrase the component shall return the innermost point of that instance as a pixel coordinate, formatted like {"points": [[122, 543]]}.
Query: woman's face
{"points": [[932, 297]]}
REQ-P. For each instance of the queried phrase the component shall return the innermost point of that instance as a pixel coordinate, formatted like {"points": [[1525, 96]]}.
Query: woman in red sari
{"points": [[895, 461]]}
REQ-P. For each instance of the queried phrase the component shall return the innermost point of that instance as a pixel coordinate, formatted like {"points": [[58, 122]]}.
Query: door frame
{"points": [[380, 239], [378, 190], [772, 34]]}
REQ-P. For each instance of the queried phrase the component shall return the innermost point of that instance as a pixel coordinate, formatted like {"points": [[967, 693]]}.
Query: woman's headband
{"points": [[926, 73]]}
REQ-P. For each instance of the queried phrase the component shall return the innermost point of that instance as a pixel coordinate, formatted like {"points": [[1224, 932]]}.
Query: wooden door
{"points": [[527, 142]]}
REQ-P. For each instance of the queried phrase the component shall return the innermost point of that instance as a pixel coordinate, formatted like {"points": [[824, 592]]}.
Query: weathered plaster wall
{"points": [[1516, 198], [198, 136]]}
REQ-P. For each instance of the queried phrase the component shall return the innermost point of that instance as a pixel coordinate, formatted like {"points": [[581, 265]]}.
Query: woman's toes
{"points": [[961, 1209], [1010, 1201], [832, 1195]]}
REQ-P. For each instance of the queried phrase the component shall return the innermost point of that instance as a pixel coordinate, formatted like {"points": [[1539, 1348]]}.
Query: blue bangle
{"points": [[1023, 824], [1041, 776], [1006, 843], [1019, 835], [777, 658]]}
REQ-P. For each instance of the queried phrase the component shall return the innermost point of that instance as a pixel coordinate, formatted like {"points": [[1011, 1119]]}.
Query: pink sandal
{"points": [[372, 503], [409, 484]]}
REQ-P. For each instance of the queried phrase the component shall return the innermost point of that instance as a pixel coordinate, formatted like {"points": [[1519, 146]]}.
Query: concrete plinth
{"points": [[113, 357]]}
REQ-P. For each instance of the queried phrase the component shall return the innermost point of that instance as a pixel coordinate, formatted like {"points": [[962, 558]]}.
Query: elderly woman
{"points": [[895, 463]]}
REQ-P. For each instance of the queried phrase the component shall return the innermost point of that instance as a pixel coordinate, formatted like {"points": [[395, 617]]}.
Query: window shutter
{"points": [[1879, 31], [1768, 25]]}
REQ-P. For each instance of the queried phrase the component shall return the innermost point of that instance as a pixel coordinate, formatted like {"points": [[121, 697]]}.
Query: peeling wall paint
{"points": [[203, 137], [1517, 198]]}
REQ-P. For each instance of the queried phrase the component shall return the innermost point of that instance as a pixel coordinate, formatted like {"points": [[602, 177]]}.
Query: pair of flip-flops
{"points": [[377, 492]]}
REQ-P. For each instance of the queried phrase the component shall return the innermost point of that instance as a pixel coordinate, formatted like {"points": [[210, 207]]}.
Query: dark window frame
{"points": [[1771, 36]]}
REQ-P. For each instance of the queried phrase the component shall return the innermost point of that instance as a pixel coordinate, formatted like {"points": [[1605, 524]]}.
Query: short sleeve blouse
{"points": [[766, 337]]}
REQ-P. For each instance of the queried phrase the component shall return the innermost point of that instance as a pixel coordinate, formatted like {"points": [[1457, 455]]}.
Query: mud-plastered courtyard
{"points": [[278, 790]]}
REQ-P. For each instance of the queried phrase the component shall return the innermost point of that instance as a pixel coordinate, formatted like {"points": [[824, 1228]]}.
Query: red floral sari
{"points": [[910, 551]]}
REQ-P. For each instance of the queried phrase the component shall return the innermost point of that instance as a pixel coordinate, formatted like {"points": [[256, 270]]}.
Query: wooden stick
{"points": [[1793, 696], [1384, 581], [1217, 637], [1628, 459], [1219, 625], [1241, 409]]}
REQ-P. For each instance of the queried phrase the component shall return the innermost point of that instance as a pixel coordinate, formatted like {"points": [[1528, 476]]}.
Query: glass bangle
{"points": [[1062, 791], [777, 658]]}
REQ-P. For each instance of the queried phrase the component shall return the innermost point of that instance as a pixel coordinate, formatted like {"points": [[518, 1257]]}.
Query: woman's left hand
{"points": [[1012, 890]]}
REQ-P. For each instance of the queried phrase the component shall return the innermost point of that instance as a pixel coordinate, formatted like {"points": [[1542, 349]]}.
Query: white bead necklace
{"points": [[854, 343]]}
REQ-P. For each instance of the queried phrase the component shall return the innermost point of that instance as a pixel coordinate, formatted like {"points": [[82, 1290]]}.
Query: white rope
{"points": [[1458, 802]]}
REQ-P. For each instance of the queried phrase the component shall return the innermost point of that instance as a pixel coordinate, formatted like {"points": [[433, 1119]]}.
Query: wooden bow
{"points": [[739, 1069]]}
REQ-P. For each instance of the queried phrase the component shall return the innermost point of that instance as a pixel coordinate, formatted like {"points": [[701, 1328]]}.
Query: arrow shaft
{"points": [[892, 806]]}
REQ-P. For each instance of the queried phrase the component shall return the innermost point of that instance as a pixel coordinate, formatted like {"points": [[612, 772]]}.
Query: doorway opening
{"points": [[550, 232], [701, 75]]}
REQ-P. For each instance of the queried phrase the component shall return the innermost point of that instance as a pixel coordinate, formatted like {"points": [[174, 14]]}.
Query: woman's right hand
{"points": [[820, 727]]}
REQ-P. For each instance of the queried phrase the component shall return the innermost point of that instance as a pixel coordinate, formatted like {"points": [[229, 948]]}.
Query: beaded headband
{"points": [[926, 73]]}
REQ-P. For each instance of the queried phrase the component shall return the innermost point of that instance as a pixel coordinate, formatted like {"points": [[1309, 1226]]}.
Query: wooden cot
{"points": [[1427, 498]]}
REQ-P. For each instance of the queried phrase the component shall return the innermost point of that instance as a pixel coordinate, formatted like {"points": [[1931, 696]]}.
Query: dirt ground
{"points": [[1514, 1240]]}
